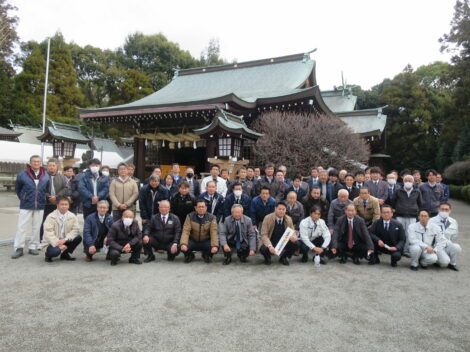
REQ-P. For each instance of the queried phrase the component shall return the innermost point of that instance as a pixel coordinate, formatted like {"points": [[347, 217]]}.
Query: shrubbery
{"points": [[460, 192]]}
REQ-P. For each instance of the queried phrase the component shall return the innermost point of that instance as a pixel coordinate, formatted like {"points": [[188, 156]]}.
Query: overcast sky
{"points": [[367, 39]]}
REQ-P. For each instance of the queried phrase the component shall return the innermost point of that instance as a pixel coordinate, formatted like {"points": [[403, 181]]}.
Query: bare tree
{"points": [[301, 141]]}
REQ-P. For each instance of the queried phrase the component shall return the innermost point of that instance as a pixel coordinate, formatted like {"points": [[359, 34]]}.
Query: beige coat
{"points": [[371, 212], [52, 228], [268, 227], [123, 193]]}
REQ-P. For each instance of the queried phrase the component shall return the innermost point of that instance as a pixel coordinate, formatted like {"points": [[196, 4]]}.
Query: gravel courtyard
{"points": [[161, 306]]}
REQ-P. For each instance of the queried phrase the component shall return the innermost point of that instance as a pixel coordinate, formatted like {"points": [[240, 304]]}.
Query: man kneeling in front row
{"points": [[125, 237], [61, 232], [162, 233], [199, 234], [96, 229], [236, 232], [274, 226], [314, 235]]}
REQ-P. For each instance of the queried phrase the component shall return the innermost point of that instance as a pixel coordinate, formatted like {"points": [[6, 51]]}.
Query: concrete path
{"points": [[161, 306]]}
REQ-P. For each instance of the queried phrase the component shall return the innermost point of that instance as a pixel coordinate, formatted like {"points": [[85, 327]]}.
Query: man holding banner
{"points": [[278, 236]]}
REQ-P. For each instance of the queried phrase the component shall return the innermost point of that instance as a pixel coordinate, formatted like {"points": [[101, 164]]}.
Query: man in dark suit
{"points": [[388, 236], [313, 179], [392, 187], [162, 233], [214, 200], [296, 187], [377, 187], [269, 181], [333, 176], [238, 196], [360, 177], [124, 236], [351, 237], [350, 187]]}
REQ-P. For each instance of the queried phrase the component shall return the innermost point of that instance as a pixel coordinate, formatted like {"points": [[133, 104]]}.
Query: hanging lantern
{"points": [[179, 145], [146, 142], [194, 145], [163, 143]]}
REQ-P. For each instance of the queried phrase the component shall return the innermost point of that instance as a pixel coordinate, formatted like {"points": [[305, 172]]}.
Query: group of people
{"points": [[332, 214]]}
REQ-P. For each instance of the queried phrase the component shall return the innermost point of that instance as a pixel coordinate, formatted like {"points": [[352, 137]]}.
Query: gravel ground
{"points": [[79, 306]]}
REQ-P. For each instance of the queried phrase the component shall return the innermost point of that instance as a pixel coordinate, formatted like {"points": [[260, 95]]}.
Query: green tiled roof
{"points": [[229, 122], [64, 131], [246, 82]]}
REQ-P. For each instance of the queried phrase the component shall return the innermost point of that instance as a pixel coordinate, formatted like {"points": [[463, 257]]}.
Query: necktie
{"points": [[446, 223], [279, 222], [349, 189], [163, 220], [314, 226], [210, 198], [386, 226], [365, 203], [350, 235], [237, 235], [237, 201], [52, 186]]}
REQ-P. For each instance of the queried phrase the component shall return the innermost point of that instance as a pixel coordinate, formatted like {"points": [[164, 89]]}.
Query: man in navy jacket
{"points": [[96, 229], [237, 197], [93, 187], [31, 187]]}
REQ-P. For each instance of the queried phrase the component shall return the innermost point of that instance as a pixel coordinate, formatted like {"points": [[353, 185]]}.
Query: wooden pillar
{"points": [[139, 157]]}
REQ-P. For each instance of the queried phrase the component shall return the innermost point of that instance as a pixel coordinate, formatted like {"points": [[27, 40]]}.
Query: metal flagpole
{"points": [[45, 97]]}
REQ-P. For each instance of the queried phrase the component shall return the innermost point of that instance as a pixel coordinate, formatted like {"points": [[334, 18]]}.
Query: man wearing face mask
{"points": [[125, 236], [247, 185], [450, 228], [237, 197], [407, 203], [392, 187], [194, 187], [93, 187]]}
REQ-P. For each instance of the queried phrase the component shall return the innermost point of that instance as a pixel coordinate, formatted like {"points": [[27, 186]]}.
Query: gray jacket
{"points": [[227, 231], [60, 187], [379, 190], [336, 211], [432, 196]]}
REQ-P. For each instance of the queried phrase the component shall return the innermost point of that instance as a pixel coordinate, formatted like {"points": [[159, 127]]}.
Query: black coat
{"points": [[395, 231], [353, 193], [245, 201], [181, 206], [73, 193], [118, 237], [301, 193], [360, 233], [164, 234], [323, 204], [149, 206]]}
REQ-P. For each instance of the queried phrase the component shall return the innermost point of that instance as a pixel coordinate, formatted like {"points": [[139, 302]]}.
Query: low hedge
{"points": [[460, 192]]}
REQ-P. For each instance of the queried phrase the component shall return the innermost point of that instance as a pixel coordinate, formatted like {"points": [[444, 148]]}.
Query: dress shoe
{"points": [[227, 260], [33, 252], [134, 261], [414, 268], [343, 259], [113, 262], [356, 261], [88, 259], [323, 260], [170, 257], [393, 264], [304, 258], [242, 259], [267, 260], [66, 256], [189, 258], [108, 257], [149, 259], [284, 261], [206, 257], [423, 266], [453, 267], [18, 253], [48, 260]]}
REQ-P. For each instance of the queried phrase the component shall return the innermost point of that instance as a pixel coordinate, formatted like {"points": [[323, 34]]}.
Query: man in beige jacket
{"points": [[123, 192], [61, 232]]}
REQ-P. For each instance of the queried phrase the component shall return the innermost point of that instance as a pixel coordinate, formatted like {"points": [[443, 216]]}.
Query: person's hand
{"points": [[392, 249], [333, 250], [252, 253], [430, 250], [63, 247], [92, 250], [53, 199], [318, 250], [174, 248], [272, 250], [381, 201], [255, 227], [214, 250], [122, 207], [184, 248], [61, 242], [369, 252], [227, 248], [146, 239], [126, 248], [381, 243], [94, 200]]}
